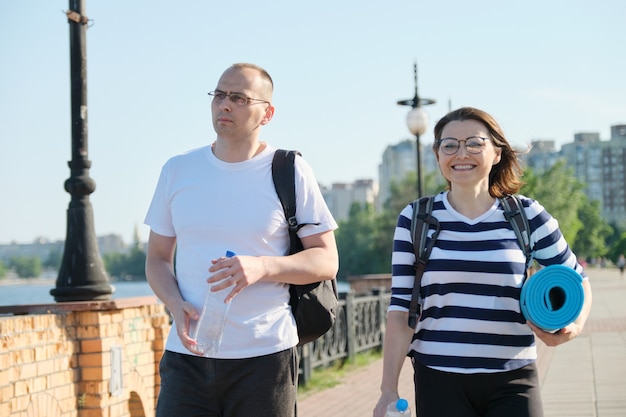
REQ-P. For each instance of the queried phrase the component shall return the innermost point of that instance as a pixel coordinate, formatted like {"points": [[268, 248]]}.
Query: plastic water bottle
{"points": [[209, 328], [398, 408]]}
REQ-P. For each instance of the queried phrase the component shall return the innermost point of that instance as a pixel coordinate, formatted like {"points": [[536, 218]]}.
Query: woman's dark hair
{"points": [[505, 176]]}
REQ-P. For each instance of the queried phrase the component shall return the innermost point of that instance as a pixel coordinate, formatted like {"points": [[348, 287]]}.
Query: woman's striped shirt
{"points": [[471, 320]]}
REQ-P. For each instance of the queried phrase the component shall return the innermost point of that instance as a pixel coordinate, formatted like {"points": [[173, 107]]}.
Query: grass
{"points": [[325, 378]]}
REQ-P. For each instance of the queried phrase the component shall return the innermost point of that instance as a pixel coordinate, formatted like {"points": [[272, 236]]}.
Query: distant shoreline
{"points": [[27, 281], [52, 280]]}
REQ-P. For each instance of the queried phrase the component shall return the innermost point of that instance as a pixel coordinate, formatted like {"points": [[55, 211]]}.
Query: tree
{"points": [[54, 259], [615, 236], [380, 245], [365, 240], [3, 269], [404, 191], [126, 265], [26, 266], [136, 265], [590, 241], [561, 194], [618, 248], [580, 219], [358, 243]]}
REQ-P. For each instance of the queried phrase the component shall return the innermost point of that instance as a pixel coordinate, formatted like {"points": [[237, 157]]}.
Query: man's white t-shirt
{"points": [[212, 206]]}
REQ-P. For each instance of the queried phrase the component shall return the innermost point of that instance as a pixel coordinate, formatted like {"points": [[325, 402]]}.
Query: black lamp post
{"points": [[82, 276], [417, 122]]}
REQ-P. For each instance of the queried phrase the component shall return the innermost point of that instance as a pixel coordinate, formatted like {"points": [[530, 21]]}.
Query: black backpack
{"points": [[315, 305], [423, 220]]}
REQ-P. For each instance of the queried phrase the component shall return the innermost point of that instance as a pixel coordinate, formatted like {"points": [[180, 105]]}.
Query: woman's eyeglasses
{"points": [[473, 144]]}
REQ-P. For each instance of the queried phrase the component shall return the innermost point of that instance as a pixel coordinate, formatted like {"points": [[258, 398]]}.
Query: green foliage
{"points": [[125, 265], [333, 375], [591, 240], [405, 191], [615, 235], [618, 248], [561, 194], [580, 219], [361, 243], [26, 266], [3, 269], [402, 193], [365, 240]]}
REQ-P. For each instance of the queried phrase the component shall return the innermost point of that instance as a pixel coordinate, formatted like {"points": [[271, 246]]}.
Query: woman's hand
{"points": [[559, 337], [570, 331]]}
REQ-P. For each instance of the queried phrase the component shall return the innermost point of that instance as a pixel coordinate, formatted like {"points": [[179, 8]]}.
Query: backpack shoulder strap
{"points": [[283, 175], [422, 246], [515, 214], [422, 210]]}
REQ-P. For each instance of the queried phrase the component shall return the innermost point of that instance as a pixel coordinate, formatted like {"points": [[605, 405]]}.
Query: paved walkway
{"points": [[585, 377]]}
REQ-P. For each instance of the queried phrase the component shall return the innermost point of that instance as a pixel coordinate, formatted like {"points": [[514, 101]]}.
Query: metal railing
{"points": [[360, 326]]}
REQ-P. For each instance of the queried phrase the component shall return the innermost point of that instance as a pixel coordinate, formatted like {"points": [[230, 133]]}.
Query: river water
{"points": [[38, 291]]}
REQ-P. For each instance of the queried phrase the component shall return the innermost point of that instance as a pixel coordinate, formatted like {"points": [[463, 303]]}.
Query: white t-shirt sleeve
{"points": [[310, 204]]}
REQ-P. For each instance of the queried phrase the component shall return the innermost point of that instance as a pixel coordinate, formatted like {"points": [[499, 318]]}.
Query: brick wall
{"points": [[365, 284], [85, 359]]}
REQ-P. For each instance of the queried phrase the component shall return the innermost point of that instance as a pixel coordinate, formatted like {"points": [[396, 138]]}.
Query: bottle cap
{"points": [[230, 254], [402, 405]]}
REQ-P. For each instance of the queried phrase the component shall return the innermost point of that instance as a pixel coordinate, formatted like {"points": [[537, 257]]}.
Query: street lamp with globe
{"points": [[417, 123]]}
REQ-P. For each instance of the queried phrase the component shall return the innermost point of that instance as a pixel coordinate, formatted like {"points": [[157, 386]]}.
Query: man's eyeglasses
{"points": [[473, 144], [238, 99]]}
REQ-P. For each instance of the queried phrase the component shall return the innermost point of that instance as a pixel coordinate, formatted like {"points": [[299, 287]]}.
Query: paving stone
{"points": [[585, 377]]}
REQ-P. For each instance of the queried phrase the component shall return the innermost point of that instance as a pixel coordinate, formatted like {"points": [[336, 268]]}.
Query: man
{"points": [[217, 198]]}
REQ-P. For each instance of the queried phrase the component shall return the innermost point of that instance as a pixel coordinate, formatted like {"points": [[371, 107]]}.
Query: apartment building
{"points": [[44, 249], [600, 164], [400, 159], [340, 196]]}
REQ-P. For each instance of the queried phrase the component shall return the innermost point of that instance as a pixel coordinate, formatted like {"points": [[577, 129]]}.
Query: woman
{"points": [[473, 352]]}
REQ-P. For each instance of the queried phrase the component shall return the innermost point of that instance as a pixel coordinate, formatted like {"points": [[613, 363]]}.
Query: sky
{"points": [[543, 69]]}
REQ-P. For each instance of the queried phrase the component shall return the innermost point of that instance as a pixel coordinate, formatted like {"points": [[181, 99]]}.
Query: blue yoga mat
{"points": [[553, 297]]}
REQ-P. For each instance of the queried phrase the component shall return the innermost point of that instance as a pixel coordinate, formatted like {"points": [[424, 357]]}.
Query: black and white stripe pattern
{"points": [[471, 319]]}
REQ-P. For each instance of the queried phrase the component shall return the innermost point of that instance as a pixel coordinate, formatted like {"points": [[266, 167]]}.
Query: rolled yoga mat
{"points": [[553, 297]]}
